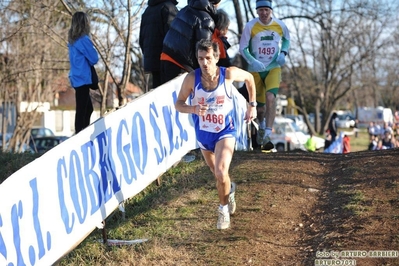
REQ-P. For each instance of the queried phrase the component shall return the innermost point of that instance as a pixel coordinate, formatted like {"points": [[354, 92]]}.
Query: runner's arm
{"points": [[187, 88], [240, 75]]}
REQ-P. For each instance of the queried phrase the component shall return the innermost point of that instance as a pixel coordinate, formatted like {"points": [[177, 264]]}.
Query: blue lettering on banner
{"points": [[160, 152], [16, 214], [3, 250], [167, 114], [103, 164], [105, 149], [124, 150], [183, 133], [139, 142], [115, 183], [89, 177], [76, 183], [36, 225], [68, 221]]}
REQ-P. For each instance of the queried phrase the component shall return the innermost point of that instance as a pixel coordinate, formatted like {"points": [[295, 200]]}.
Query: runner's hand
{"points": [[258, 66], [281, 59], [250, 114]]}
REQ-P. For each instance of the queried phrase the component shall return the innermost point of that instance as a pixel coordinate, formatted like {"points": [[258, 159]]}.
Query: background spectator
{"points": [[332, 126], [373, 143], [371, 131], [396, 122], [386, 128], [327, 140], [155, 23], [310, 144], [387, 142], [192, 23], [220, 36], [82, 56], [379, 145], [346, 144]]}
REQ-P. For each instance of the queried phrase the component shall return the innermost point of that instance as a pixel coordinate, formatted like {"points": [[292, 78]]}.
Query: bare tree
{"points": [[34, 52], [338, 54], [114, 25], [31, 46], [332, 41]]}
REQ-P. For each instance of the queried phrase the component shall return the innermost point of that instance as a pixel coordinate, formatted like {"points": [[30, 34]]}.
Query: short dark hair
{"points": [[206, 45]]}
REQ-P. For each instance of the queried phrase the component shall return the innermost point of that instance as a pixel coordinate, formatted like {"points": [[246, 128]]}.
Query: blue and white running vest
{"points": [[218, 122]]}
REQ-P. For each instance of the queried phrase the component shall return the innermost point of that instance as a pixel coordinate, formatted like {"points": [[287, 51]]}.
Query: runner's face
{"points": [[264, 14], [207, 61]]}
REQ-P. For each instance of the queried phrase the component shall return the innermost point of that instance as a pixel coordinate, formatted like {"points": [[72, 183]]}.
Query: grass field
{"points": [[361, 142]]}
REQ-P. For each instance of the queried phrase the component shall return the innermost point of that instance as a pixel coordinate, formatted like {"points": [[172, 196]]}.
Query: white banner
{"points": [[50, 205]]}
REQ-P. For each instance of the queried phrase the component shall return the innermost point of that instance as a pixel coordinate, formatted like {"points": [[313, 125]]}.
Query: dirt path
{"points": [[293, 208], [292, 205]]}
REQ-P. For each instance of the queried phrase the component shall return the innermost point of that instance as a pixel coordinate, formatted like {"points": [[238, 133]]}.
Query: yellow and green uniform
{"points": [[264, 43]]}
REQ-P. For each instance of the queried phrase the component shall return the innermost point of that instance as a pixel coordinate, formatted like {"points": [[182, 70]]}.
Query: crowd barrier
{"points": [[52, 204]]}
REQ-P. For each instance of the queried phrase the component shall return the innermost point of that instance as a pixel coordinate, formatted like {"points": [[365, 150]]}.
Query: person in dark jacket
{"points": [[332, 127], [192, 23], [155, 23]]}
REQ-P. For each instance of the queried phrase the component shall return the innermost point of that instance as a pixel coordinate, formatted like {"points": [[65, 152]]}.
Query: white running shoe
{"points": [[223, 220], [232, 201]]}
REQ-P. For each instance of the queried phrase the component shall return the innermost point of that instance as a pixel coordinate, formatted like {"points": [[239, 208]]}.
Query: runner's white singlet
{"points": [[218, 122]]}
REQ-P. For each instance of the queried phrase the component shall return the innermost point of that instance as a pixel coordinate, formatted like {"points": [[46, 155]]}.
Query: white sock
{"points": [[224, 208]]}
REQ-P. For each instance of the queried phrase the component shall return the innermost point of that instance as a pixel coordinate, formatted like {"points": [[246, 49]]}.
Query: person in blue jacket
{"points": [[82, 56]]}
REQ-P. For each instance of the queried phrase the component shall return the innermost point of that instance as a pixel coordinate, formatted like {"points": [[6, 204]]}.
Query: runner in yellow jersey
{"points": [[264, 44]]}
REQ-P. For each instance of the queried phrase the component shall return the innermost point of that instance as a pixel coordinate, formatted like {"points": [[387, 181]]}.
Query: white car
{"points": [[345, 121], [287, 136], [299, 121], [36, 132]]}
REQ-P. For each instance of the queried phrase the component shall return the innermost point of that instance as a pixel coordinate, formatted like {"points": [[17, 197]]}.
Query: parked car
{"points": [[345, 121], [287, 136], [36, 132], [43, 144], [299, 121], [18, 148]]}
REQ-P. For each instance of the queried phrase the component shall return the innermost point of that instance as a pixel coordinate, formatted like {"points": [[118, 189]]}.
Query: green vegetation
{"points": [[146, 219], [11, 162], [355, 203]]}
